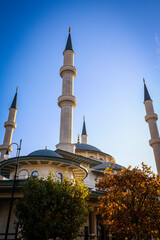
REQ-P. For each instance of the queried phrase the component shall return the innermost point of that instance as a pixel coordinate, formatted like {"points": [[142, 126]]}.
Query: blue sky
{"points": [[116, 44]]}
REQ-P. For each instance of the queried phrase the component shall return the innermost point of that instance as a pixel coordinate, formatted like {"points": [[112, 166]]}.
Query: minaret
{"points": [[84, 132], [67, 100], [10, 125], [151, 119]]}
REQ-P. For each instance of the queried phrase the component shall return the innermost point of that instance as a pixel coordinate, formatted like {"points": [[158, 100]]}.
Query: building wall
{"points": [[96, 155], [4, 210], [90, 225], [90, 180]]}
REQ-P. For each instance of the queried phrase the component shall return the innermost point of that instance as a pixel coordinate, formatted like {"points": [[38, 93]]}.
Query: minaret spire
{"points": [[10, 125], [84, 132], [67, 100], [14, 102], [151, 119], [146, 93], [69, 42]]}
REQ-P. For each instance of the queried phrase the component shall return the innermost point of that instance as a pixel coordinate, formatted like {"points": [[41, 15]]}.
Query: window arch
{"points": [[23, 174], [35, 174], [60, 177]]}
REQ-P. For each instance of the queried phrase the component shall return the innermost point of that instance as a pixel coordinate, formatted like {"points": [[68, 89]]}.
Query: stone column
{"points": [[92, 223]]}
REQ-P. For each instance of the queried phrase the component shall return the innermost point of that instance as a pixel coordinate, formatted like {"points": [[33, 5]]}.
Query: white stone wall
{"points": [[43, 171], [90, 180], [96, 155]]}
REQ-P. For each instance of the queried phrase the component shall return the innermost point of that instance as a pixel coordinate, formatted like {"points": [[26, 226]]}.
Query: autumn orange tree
{"points": [[130, 206]]}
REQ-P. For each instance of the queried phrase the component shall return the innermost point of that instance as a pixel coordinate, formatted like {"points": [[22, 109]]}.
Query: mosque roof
{"points": [[45, 152], [105, 165], [82, 146], [78, 158]]}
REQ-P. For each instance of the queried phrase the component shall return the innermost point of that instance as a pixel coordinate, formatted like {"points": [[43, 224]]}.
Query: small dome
{"points": [[87, 147], [105, 165], [45, 152]]}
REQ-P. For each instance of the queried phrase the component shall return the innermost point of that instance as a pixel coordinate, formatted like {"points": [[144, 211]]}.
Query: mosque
{"points": [[80, 160]]}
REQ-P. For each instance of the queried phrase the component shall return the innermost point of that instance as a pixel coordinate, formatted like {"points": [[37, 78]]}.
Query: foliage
{"points": [[130, 207], [51, 208]]}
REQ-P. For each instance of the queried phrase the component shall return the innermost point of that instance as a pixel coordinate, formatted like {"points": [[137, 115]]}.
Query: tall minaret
{"points": [[84, 132], [67, 100], [10, 125], [151, 118]]}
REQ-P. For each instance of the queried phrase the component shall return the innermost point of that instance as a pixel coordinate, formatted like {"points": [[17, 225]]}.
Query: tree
{"points": [[51, 209], [130, 207]]}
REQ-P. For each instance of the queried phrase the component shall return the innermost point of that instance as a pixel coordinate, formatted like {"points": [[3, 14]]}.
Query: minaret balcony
{"points": [[68, 69], [10, 124], [64, 100], [154, 141], [4, 147], [151, 116]]}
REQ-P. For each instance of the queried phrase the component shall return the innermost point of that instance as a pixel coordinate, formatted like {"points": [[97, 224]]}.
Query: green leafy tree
{"points": [[51, 209], [130, 207]]}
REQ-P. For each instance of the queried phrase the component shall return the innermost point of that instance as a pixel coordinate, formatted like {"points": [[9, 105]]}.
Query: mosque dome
{"points": [[86, 147], [105, 165], [45, 152]]}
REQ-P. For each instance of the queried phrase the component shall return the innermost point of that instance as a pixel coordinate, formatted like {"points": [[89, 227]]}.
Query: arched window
{"points": [[91, 157], [35, 174], [23, 174], [60, 177]]}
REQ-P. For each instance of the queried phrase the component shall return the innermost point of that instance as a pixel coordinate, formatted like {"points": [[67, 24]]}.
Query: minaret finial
{"points": [[69, 29], [17, 89], [78, 141], [83, 117], [143, 80]]}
